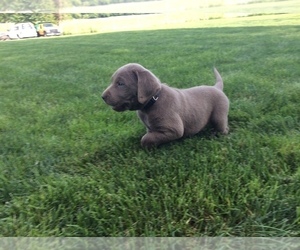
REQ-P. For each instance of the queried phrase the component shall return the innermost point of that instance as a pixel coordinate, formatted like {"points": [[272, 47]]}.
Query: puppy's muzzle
{"points": [[105, 96]]}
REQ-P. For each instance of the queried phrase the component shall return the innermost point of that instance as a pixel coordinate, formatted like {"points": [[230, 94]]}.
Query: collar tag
{"points": [[152, 101]]}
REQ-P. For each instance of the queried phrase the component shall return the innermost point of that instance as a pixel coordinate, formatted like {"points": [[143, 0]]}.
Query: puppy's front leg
{"points": [[154, 139]]}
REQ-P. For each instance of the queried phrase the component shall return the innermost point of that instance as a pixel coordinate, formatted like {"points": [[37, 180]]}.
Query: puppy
{"points": [[168, 113]]}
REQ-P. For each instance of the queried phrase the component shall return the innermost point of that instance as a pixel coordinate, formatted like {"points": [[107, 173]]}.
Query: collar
{"points": [[152, 101]]}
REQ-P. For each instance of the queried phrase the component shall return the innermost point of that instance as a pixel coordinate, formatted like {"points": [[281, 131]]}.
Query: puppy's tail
{"points": [[219, 83]]}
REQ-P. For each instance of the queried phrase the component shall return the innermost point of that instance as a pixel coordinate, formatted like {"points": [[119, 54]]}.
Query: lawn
{"points": [[71, 166], [181, 14]]}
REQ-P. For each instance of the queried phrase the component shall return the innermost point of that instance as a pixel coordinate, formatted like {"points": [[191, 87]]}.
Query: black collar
{"points": [[152, 101]]}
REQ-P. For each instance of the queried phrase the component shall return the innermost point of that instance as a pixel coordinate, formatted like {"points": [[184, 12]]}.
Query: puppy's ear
{"points": [[148, 85]]}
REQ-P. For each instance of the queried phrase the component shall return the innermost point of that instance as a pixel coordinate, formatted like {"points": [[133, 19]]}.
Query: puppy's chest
{"points": [[146, 120]]}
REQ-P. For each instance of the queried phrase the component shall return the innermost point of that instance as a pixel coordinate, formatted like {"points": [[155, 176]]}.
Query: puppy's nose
{"points": [[104, 97]]}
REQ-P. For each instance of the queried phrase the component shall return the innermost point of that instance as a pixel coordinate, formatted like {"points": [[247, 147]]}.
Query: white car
{"points": [[22, 30], [48, 29]]}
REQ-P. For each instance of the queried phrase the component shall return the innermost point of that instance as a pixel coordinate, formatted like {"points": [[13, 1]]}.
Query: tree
{"points": [[26, 6], [31, 11]]}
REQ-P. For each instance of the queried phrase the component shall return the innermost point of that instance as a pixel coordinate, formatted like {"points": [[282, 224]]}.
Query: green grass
{"points": [[70, 166]]}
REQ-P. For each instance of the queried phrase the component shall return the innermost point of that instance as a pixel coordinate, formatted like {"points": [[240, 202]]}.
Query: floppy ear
{"points": [[148, 85]]}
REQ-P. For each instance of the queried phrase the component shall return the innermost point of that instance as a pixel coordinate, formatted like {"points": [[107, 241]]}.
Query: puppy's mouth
{"points": [[120, 108]]}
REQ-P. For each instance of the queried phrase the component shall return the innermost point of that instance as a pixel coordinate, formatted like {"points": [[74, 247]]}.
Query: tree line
{"points": [[49, 10], [101, 2], [53, 17]]}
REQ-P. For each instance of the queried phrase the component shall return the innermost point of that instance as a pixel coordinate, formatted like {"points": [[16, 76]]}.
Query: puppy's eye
{"points": [[120, 84]]}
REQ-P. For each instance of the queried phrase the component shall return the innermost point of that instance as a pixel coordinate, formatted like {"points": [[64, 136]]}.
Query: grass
{"points": [[180, 14], [159, 21], [70, 166]]}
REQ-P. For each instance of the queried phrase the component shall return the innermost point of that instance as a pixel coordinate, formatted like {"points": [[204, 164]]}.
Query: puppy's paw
{"points": [[218, 133], [226, 131], [148, 142]]}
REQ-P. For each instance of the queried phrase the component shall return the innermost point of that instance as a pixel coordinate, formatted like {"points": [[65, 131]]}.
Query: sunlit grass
{"points": [[173, 21]]}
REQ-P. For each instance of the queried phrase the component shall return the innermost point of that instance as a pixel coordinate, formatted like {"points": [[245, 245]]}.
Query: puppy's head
{"points": [[131, 88]]}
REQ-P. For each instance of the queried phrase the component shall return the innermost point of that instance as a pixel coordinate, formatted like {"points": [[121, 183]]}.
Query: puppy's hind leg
{"points": [[219, 116], [220, 123]]}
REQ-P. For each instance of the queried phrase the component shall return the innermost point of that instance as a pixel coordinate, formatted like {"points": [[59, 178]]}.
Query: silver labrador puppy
{"points": [[168, 113]]}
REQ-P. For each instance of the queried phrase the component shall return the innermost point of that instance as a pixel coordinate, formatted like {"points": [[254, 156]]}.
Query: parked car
{"points": [[22, 30], [47, 29]]}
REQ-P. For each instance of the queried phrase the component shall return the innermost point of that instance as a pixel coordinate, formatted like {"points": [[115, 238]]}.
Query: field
{"points": [[71, 166], [175, 14]]}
